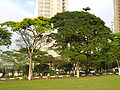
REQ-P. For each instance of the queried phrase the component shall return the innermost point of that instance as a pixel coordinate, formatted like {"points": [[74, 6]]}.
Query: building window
{"points": [[47, 3], [47, 11], [47, 7], [47, 15]]}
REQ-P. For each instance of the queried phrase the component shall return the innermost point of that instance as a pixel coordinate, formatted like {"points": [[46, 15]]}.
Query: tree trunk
{"points": [[118, 70], [105, 70], [118, 67], [30, 68], [77, 70], [30, 53]]}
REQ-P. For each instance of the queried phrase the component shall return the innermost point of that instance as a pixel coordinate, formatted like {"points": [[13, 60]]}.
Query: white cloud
{"points": [[10, 11]]}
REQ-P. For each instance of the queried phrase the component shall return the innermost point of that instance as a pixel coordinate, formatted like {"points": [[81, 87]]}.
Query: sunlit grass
{"points": [[83, 83]]}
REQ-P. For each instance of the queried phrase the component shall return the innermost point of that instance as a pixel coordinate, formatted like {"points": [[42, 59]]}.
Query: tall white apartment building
{"points": [[116, 16], [49, 8]]}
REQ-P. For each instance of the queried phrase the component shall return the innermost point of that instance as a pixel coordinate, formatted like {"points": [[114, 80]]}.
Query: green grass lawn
{"points": [[83, 83]]}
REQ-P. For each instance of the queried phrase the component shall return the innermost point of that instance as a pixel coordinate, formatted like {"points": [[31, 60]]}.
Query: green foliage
{"points": [[13, 61], [42, 22], [31, 35], [80, 36], [39, 52], [66, 66], [5, 37], [115, 45], [30, 30], [16, 78], [82, 39], [42, 68], [52, 72], [115, 48], [25, 77]]}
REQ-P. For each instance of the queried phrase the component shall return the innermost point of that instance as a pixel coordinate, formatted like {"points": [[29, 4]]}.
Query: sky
{"points": [[101, 8], [16, 10]]}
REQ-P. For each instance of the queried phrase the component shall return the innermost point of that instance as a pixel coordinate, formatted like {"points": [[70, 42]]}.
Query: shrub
{"points": [[52, 72], [16, 78], [25, 77]]}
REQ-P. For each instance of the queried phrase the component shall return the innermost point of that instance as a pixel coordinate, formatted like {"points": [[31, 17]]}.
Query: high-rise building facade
{"points": [[49, 8], [116, 16]]}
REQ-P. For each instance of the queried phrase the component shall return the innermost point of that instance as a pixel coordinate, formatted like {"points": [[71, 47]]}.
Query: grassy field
{"points": [[83, 83]]}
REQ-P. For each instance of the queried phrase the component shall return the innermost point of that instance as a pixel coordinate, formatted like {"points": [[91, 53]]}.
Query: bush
{"points": [[72, 75], [52, 72], [25, 77], [16, 78]]}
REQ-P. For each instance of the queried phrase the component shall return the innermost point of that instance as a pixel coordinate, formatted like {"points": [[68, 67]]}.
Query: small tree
{"points": [[5, 37], [115, 49], [103, 60], [13, 61], [31, 35], [66, 66]]}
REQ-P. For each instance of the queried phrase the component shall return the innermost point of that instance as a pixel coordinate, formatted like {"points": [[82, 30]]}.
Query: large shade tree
{"points": [[31, 34], [80, 35]]}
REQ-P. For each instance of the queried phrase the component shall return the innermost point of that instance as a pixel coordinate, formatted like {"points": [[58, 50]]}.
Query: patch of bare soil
{"points": [[78, 86]]}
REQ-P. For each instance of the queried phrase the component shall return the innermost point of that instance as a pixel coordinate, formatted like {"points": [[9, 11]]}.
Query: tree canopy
{"points": [[5, 37], [115, 49], [31, 34], [80, 35], [82, 41]]}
